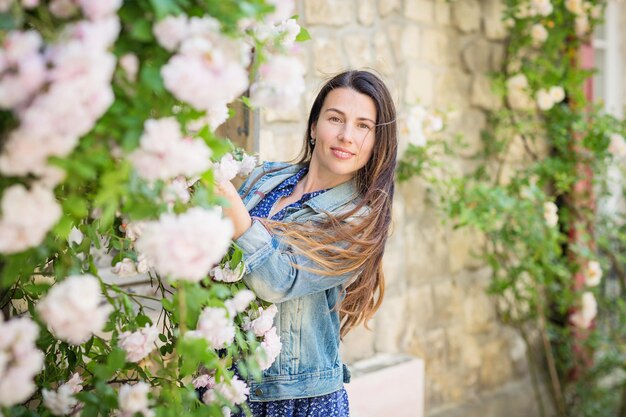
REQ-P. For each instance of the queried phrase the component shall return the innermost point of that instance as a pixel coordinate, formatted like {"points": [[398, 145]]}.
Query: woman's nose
{"points": [[346, 133]]}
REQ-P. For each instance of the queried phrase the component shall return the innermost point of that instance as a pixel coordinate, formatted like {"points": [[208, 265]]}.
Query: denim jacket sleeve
{"points": [[270, 270]]}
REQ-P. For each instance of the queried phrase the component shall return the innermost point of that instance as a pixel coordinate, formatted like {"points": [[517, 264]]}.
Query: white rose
{"points": [[264, 322], [226, 169], [269, 349], [587, 312], [582, 25], [280, 83], [130, 65], [170, 31], [225, 274], [544, 100], [517, 93], [27, 216], [125, 268], [72, 309], [574, 6], [557, 93], [550, 214], [140, 343], [134, 399], [593, 273], [248, 163], [215, 326], [235, 392], [542, 7], [239, 302], [20, 360], [539, 34], [164, 153], [177, 245], [62, 402]]}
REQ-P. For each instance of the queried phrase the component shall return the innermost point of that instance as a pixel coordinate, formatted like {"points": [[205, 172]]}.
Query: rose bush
{"points": [[108, 161]]}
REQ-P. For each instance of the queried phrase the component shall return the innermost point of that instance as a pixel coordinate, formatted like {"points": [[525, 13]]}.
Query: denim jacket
{"points": [[309, 364]]}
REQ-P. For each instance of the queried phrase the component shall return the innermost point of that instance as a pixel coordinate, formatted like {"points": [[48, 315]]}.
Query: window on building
{"points": [[608, 80]]}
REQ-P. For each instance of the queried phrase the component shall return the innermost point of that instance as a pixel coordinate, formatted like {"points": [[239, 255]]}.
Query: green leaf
{"points": [[236, 258], [304, 35], [142, 31], [163, 8], [116, 360], [76, 206], [151, 77], [168, 304], [142, 320], [193, 353], [15, 267], [63, 228]]}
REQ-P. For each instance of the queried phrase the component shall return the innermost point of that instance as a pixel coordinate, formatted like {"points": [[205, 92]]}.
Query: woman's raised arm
{"points": [[236, 210]]}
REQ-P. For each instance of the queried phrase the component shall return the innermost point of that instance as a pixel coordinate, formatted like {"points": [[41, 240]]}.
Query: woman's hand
{"points": [[236, 211]]}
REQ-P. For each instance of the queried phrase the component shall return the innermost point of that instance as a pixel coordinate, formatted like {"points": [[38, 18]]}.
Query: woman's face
{"points": [[344, 135]]}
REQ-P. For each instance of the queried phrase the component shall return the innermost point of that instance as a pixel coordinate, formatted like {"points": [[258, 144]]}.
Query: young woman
{"points": [[313, 236]]}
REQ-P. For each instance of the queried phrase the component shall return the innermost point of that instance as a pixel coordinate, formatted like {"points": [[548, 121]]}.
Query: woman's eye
{"points": [[334, 119], [364, 126]]}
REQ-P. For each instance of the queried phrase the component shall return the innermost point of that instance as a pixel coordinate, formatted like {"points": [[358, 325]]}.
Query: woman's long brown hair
{"points": [[353, 242]]}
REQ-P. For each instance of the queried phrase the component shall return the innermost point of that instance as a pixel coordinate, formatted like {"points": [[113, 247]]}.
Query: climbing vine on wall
{"points": [[540, 196]]}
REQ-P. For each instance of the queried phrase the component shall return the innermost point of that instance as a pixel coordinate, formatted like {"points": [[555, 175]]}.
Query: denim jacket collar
{"points": [[276, 172]]}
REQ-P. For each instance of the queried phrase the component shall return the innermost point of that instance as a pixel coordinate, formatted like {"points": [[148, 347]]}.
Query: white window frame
{"points": [[612, 88]]}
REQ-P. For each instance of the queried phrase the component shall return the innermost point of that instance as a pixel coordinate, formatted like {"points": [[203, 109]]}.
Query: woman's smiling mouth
{"points": [[341, 153]]}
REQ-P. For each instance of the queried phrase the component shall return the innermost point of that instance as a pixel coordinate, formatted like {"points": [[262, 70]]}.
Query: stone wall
{"points": [[438, 54]]}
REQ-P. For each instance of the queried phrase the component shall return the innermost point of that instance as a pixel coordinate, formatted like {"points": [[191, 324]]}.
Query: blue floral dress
{"points": [[334, 404]]}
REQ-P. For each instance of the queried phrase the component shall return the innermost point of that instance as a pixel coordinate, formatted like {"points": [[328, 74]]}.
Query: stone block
{"points": [[471, 356], [430, 346], [383, 58], [328, 12], [422, 11], [386, 7], [420, 309], [517, 352], [358, 50], [393, 261], [477, 55], [328, 57], [426, 251], [483, 95], [414, 191], [496, 60], [442, 12], [410, 43], [280, 144], [465, 249], [390, 323], [448, 302], [358, 344], [470, 123], [395, 35], [492, 19], [479, 314], [497, 367], [466, 15], [435, 47], [420, 86], [366, 12], [452, 89]]}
